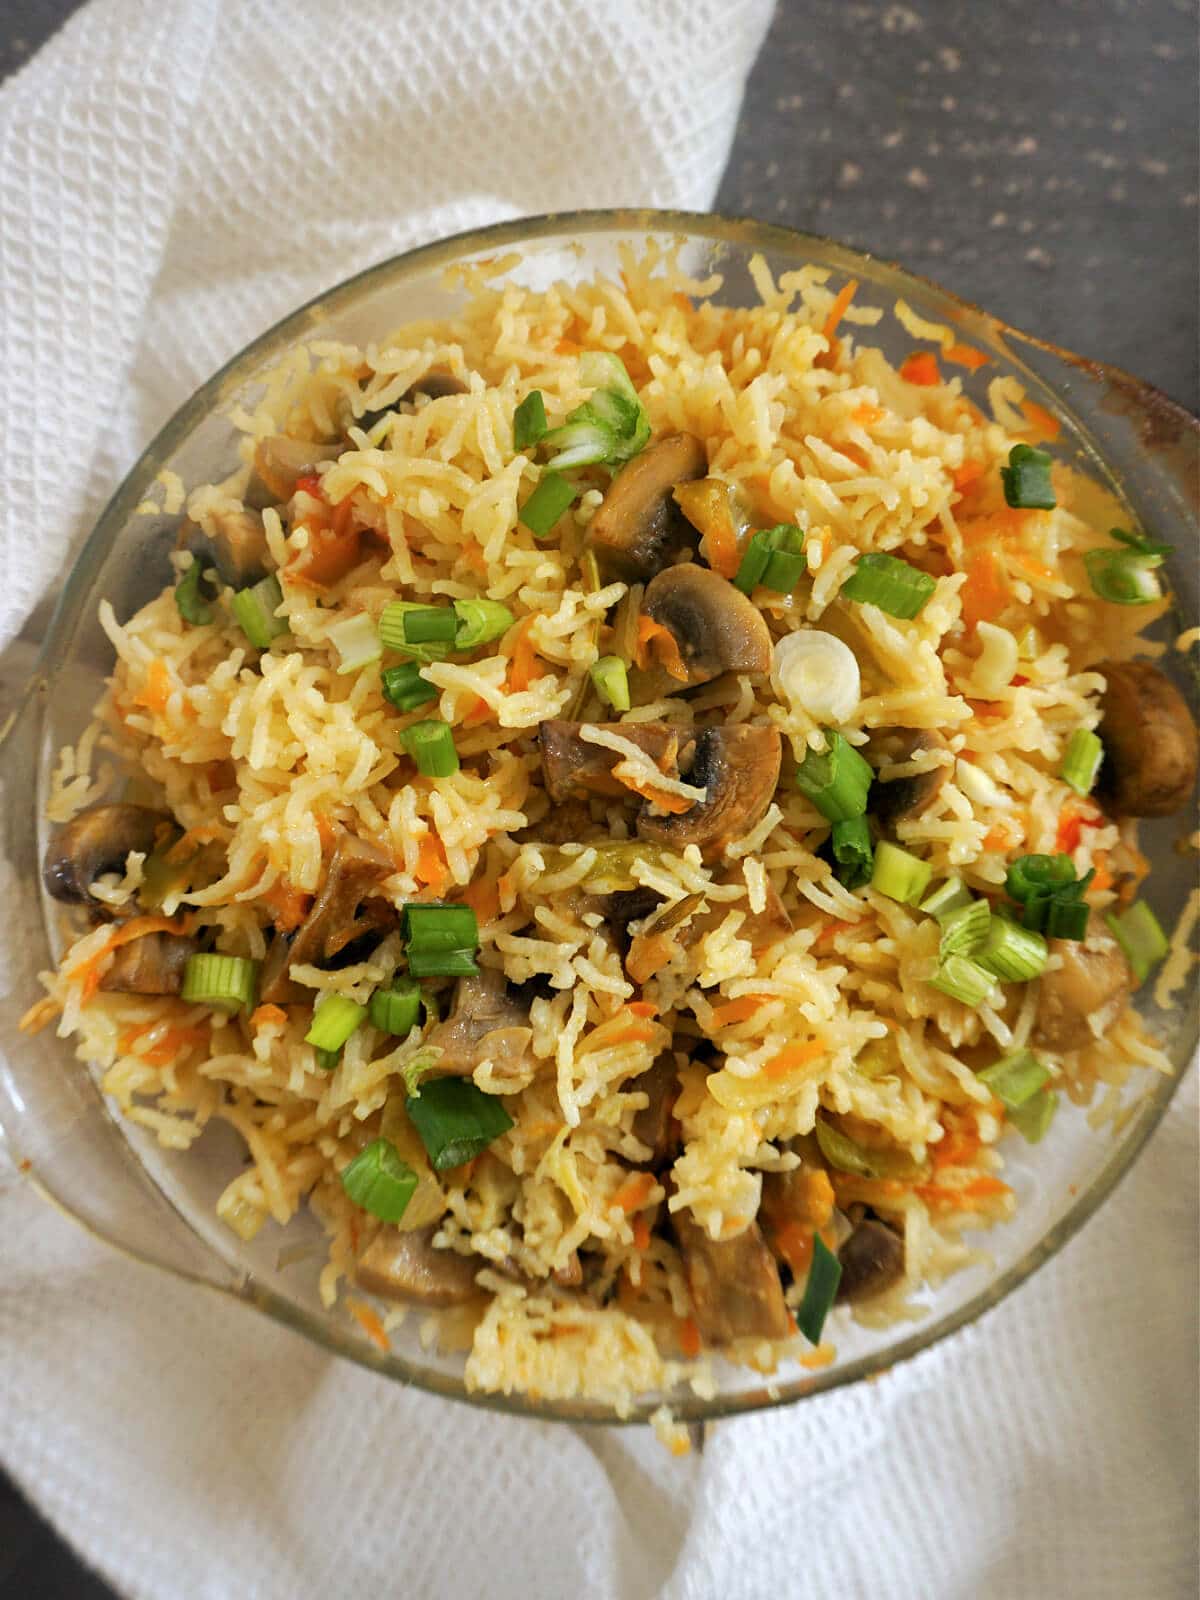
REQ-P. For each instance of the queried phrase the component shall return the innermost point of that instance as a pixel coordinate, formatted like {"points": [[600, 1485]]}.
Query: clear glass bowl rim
{"points": [[718, 229]]}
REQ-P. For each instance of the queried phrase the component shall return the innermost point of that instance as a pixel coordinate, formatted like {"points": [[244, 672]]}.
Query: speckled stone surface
{"points": [[1038, 159]]}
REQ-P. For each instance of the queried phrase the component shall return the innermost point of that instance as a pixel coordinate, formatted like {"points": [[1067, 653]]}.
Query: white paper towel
{"points": [[173, 177]]}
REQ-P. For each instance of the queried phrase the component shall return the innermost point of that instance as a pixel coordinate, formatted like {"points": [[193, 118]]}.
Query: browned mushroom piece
{"points": [[281, 462], [898, 799], [237, 546], [347, 908], [690, 920], [652, 1123], [97, 841], [569, 822], [406, 1266], [716, 627], [1149, 738], [738, 767], [639, 529], [152, 964], [488, 1022], [574, 768], [1093, 982], [734, 1283], [570, 1274], [872, 1261], [626, 906]]}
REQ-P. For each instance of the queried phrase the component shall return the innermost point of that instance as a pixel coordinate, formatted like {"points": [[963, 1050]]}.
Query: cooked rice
{"points": [[264, 760]]}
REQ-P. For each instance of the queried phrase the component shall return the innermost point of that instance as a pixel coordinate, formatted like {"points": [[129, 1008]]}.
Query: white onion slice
{"points": [[817, 673]]}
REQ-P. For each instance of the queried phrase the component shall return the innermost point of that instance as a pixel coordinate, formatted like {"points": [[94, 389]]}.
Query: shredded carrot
{"points": [[984, 594], [634, 1192], [642, 1008], [921, 368], [172, 1042], [474, 557], [1104, 878], [641, 1233], [823, 1355], [689, 1338], [431, 865], [648, 955], [523, 658], [479, 712], [1034, 568], [737, 1010], [829, 358], [946, 1199], [640, 1031], [965, 355], [794, 1241], [680, 301], [705, 503], [567, 347], [996, 838], [1070, 831], [325, 829], [156, 690], [793, 1056], [368, 1321], [967, 476], [288, 906], [483, 897], [832, 927], [673, 804], [1045, 424], [960, 1146], [866, 414], [658, 644], [264, 1014]]}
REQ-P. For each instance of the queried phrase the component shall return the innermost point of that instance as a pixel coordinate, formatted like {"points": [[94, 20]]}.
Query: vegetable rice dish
{"points": [[628, 806]]}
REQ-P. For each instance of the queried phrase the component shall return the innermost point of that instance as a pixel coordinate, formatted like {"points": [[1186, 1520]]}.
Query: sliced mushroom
{"points": [[574, 768], [281, 462], [406, 1266], [898, 799], [652, 1122], [716, 627], [872, 1261], [488, 1022], [734, 1284], [338, 917], [1150, 745], [639, 529], [569, 822], [625, 906], [738, 766], [1093, 982], [152, 964], [237, 546], [95, 842]]}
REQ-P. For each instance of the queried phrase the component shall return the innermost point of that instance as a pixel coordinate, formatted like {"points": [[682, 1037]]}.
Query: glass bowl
{"points": [[113, 1178]]}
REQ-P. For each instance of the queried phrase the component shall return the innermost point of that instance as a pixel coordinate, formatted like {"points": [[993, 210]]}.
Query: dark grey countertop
{"points": [[1040, 160]]}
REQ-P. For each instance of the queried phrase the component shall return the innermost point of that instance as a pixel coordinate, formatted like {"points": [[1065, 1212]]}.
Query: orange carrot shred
{"points": [[737, 1010], [267, 1013], [368, 1321], [483, 897], [965, 355], [792, 1056], [523, 659], [689, 1338], [642, 1008], [641, 1233], [1044, 423], [156, 691], [431, 865], [634, 1192], [921, 368], [656, 643]]}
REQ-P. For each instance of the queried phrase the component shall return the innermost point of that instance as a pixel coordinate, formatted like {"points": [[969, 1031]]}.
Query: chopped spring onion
{"points": [[852, 852], [836, 779], [947, 898], [328, 1060], [254, 611], [611, 677], [430, 625], [356, 640], [610, 427], [1015, 1079], [227, 983], [1139, 542], [889, 583], [431, 745], [418, 1067], [818, 673], [1082, 760], [1027, 485], [190, 598], [1050, 895], [393, 632], [899, 875], [824, 1275], [442, 940], [405, 688], [864, 1161], [1011, 952], [964, 930], [379, 1181], [529, 421], [456, 1120], [963, 979], [1139, 933], [1124, 577], [396, 1009], [1033, 1119], [775, 558], [547, 503], [479, 622], [334, 1020]]}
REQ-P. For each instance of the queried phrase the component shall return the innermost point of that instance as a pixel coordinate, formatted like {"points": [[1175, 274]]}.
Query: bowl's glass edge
{"points": [[745, 232]]}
